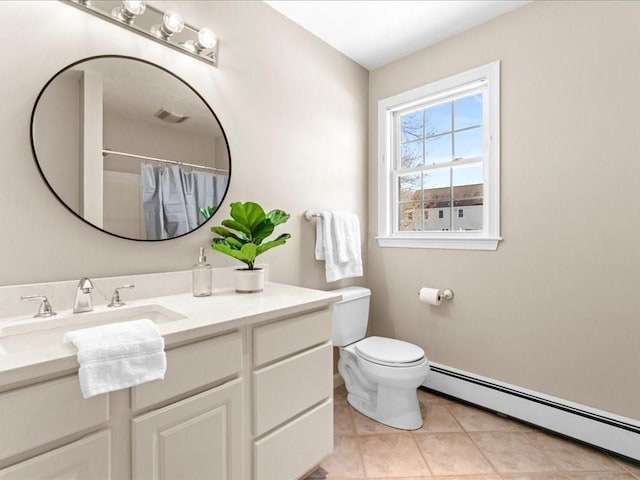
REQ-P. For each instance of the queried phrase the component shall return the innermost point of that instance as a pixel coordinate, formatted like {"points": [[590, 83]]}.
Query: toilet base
{"points": [[397, 409], [384, 394]]}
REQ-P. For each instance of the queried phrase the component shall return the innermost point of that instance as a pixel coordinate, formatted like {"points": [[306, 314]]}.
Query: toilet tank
{"points": [[350, 315]]}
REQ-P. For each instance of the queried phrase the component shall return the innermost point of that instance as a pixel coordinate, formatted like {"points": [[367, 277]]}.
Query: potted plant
{"points": [[243, 238]]}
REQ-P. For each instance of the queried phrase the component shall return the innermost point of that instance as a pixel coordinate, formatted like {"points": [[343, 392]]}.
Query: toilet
{"points": [[381, 375]]}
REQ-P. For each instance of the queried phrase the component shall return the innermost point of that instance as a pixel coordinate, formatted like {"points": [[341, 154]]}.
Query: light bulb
{"points": [[207, 38], [134, 7], [172, 21], [129, 10]]}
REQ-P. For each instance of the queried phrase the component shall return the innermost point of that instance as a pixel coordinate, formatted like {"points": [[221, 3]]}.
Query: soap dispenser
{"points": [[202, 277]]}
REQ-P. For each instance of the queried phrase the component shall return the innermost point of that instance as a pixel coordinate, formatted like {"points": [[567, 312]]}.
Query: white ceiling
{"points": [[374, 33]]}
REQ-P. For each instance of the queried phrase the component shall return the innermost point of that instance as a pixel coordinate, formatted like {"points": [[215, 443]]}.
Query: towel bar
{"points": [[308, 215]]}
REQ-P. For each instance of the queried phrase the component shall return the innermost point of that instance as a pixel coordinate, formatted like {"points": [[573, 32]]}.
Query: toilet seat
{"points": [[389, 352]]}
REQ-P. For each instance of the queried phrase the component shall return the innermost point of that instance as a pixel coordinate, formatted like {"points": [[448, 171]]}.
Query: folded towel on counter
{"points": [[118, 355], [338, 244]]}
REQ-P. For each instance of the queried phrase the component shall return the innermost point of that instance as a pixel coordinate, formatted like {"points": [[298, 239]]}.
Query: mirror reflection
{"points": [[130, 148]]}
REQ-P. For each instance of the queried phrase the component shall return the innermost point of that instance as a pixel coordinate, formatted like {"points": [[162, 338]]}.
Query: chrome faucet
{"points": [[83, 302], [45, 309]]}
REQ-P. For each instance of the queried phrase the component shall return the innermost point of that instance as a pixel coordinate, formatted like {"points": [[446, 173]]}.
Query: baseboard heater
{"points": [[602, 429]]}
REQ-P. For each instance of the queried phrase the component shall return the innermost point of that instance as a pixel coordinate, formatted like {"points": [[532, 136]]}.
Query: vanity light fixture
{"points": [[166, 27]]}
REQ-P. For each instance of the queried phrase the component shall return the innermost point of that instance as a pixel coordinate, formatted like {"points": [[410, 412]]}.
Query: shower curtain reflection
{"points": [[172, 197]]}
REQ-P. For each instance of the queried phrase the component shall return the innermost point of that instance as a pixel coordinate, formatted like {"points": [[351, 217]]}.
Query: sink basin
{"points": [[43, 332]]}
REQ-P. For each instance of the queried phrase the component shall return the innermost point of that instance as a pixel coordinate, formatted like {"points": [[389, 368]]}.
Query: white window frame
{"points": [[388, 108]]}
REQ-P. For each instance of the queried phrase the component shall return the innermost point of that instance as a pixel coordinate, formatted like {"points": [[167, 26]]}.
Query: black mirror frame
{"points": [[44, 178]]}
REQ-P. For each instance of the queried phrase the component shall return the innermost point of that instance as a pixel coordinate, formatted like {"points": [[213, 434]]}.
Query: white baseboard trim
{"points": [[606, 430], [337, 380]]}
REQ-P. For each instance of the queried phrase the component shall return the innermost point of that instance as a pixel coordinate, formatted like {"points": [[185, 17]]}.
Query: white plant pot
{"points": [[249, 281]]}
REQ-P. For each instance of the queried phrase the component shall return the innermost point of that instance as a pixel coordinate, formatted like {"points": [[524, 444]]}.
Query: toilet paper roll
{"points": [[430, 296]]}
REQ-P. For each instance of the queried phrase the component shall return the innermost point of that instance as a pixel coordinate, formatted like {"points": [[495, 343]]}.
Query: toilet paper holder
{"points": [[444, 294]]}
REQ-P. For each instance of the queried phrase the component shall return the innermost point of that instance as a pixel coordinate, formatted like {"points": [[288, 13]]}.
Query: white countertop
{"points": [[224, 310]]}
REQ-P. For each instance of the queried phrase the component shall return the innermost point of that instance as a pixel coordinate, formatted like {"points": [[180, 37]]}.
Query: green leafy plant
{"points": [[207, 212], [243, 235]]}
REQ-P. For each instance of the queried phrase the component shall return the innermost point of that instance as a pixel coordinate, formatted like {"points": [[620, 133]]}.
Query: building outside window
{"points": [[440, 151]]}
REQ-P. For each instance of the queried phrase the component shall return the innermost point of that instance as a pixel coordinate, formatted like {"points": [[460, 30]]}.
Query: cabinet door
{"points": [[87, 458], [200, 437]]}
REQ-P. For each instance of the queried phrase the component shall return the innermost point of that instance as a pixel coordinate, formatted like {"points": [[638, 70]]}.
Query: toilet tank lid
{"points": [[352, 293]]}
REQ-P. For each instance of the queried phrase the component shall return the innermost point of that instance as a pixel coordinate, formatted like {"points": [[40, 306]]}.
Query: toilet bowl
{"points": [[381, 374]]}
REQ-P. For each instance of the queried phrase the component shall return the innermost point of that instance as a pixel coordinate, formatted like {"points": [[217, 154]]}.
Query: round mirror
{"points": [[130, 148]]}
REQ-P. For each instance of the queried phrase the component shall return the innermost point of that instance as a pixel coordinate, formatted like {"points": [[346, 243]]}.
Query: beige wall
{"points": [[62, 107], [555, 308], [294, 110]]}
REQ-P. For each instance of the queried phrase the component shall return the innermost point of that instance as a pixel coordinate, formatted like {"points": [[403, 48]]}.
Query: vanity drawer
{"points": [[190, 367], [310, 437], [34, 416], [285, 337], [287, 388], [89, 457]]}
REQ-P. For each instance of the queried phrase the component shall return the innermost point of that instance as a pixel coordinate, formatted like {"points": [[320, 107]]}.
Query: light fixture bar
{"points": [[189, 34]]}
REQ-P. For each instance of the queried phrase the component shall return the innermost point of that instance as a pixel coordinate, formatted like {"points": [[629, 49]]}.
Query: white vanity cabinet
{"points": [[253, 400], [200, 436], [292, 395]]}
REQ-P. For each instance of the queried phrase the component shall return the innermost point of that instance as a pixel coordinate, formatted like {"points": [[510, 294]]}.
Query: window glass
{"points": [[438, 119], [438, 150], [409, 219], [467, 192], [410, 187], [468, 143], [468, 111], [442, 185], [411, 154], [411, 126]]}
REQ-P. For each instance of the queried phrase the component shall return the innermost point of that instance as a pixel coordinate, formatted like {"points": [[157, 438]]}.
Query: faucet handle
{"points": [[115, 298], [45, 309]]}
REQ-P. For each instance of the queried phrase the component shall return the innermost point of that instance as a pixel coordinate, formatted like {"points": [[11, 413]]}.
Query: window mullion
{"points": [[453, 156], [437, 166]]}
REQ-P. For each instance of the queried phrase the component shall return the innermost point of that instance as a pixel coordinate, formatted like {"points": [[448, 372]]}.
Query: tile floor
{"points": [[459, 442]]}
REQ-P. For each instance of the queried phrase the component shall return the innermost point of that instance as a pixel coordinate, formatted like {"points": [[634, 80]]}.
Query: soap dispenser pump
{"points": [[202, 276]]}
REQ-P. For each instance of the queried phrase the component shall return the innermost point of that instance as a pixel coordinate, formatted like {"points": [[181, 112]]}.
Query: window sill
{"points": [[448, 243]]}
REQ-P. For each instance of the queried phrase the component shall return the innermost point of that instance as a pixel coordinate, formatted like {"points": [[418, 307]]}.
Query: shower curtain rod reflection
{"points": [[106, 151]]}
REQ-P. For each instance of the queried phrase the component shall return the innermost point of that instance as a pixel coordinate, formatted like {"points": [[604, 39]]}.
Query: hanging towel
{"points": [[338, 244], [118, 355]]}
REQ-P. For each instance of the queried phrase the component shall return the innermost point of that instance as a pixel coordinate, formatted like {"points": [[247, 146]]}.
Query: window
{"points": [[439, 151]]}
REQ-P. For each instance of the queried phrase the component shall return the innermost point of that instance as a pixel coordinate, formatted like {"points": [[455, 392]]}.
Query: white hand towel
{"points": [[118, 355], [338, 244], [324, 241], [346, 231]]}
